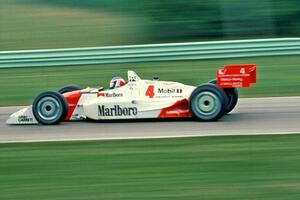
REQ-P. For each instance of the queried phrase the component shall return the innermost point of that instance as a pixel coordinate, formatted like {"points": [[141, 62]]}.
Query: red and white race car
{"points": [[137, 98]]}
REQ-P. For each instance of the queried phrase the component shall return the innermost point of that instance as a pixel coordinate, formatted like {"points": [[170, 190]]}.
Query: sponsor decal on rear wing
{"points": [[236, 76]]}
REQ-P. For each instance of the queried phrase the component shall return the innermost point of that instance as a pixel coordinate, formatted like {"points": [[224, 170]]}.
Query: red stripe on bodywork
{"points": [[179, 109], [72, 99], [100, 94]]}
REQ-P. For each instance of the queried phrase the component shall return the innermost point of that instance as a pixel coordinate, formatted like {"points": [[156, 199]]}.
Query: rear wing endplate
{"points": [[236, 76]]}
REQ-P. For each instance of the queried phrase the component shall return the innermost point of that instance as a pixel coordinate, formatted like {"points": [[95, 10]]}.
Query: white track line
{"points": [[143, 137]]}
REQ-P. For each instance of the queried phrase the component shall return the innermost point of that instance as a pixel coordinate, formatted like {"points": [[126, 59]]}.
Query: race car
{"points": [[140, 99]]}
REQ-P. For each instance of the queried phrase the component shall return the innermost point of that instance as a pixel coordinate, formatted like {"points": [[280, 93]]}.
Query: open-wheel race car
{"points": [[140, 99]]}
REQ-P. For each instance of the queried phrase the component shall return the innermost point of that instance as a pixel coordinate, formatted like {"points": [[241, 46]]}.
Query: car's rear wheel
{"points": [[208, 102], [232, 94], [50, 108], [69, 88]]}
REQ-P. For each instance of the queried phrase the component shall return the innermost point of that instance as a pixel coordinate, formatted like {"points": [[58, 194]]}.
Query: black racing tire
{"points": [[50, 108], [208, 102], [69, 88], [232, 94]]}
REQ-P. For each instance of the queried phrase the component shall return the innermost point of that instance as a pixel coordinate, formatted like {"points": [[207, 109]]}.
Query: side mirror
{"points": [[155, 78], [100, 89]]}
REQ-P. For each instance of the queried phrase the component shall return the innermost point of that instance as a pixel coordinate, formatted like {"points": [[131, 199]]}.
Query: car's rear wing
{"points": [[236, 76]]}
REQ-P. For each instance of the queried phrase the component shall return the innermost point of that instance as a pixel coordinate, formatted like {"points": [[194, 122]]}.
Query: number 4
{"points": [[242, 71], [150, 91]]}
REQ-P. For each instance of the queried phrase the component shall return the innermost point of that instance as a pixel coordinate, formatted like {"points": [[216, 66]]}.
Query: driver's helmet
{"points": [[116, 82]]}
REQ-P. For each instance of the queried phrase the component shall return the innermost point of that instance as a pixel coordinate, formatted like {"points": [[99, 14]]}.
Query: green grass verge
{"points": [[239, 167], [25, 24], [277, 76]]}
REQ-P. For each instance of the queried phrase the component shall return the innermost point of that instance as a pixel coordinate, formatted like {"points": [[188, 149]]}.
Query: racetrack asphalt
{"points": [[277, 115]]}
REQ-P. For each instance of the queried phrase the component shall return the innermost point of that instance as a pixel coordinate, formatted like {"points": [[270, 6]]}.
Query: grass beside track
{"points": [[235, 167], [27, 24], [277, 76]]}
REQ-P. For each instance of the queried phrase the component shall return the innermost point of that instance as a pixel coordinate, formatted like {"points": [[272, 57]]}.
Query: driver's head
{"points": [[116, 82]]}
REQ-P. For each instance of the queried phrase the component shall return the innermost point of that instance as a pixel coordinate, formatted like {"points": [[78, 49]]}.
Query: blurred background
{"points": [[36, 24], [214, 168], [47, 24]]}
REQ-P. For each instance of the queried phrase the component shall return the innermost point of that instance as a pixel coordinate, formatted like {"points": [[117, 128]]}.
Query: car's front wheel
{"points": [[50, 108], [208, 102]]}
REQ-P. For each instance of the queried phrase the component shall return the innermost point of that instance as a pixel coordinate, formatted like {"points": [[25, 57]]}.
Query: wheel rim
{"points": [[208, 104], [49, 108]]}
